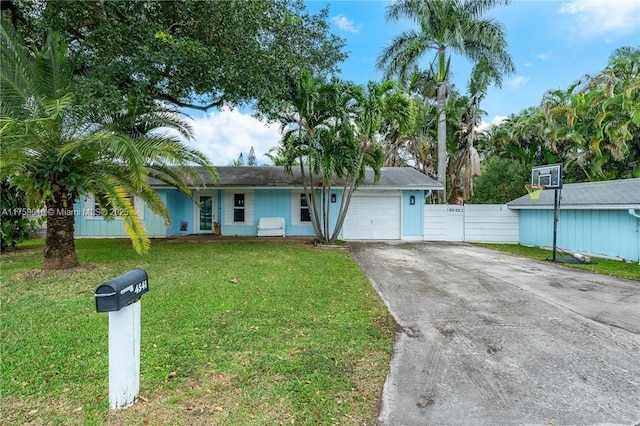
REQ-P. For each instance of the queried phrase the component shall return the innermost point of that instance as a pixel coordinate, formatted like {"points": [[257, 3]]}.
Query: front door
{"points": [[206, 213]]}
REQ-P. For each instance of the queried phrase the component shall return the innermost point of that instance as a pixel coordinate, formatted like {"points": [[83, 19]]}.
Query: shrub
{"points": [[14, 226]]}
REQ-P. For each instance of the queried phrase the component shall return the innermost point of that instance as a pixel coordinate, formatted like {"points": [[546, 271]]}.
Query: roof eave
{"points": [[576, 207], [361, 187]]}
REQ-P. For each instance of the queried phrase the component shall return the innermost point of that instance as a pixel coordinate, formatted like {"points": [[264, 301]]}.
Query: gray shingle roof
{"points": [[276, 177], [614, 194]]}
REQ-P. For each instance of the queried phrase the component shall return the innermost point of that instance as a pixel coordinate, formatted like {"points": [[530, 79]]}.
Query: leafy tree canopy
{"points": [[592, 127], [14, 225], [55, 151], [502, 180], [192, 53]]}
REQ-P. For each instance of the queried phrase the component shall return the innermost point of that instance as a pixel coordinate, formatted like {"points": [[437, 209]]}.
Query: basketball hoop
{"points": [[534, 191]]}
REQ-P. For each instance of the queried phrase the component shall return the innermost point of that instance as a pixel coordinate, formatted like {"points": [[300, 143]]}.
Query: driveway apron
{"points": [[493, 339]]}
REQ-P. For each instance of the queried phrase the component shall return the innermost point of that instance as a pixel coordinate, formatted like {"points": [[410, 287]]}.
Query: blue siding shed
{"points": [[597, 218]]}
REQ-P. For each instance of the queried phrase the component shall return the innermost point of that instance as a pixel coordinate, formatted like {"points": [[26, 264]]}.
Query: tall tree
{"points": [[596, 120], [502, 180], [251, 158], [198, 54], [380, 110], [466, 164], [415, 144], [445, 26], [592, 127], [311, 131], [55, 151], [333, 133]]}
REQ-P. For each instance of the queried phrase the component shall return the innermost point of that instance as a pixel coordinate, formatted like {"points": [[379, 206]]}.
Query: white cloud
{"points": [[483, 126], [544, 56], [345, 24], [495, 121], [518, 81], [223, 135], [498, 119], [597, 17]]}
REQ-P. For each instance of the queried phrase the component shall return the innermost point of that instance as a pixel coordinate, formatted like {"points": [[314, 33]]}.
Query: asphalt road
{"points": [[494, 339]]}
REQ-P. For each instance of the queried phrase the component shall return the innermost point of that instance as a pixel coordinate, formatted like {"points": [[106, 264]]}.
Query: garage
{"points": [[373, 217]]}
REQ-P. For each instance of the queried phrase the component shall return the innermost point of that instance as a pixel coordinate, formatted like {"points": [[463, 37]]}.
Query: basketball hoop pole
{"points": [[556, 208], [549, 177]]}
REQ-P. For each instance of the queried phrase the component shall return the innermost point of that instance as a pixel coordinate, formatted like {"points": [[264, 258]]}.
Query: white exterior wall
{"points": [[488, 223], [435, 222]]}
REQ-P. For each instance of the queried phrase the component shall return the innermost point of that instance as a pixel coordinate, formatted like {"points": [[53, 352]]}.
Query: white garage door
{"points": [[372, 218]]}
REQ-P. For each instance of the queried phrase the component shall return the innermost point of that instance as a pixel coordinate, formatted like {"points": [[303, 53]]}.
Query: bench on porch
{"points": [[271, 227]]}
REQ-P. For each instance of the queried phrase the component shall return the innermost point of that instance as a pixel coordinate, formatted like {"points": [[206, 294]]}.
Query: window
{"points": [[93, 210], [98, 211], [238, 207], [305, 216]]}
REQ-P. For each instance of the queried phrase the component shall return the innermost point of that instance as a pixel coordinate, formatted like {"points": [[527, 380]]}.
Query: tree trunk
{"points": [[60, 248], [442, 139], [310, 194], [347, 191], [344, 207], [326, 200]]}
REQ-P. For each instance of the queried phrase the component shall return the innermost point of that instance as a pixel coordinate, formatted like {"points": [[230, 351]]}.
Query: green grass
{"points": [[251, 333], [616, 268]]}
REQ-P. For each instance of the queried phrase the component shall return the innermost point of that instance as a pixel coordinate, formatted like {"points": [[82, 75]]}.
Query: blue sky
{"points": [[552, 43]]}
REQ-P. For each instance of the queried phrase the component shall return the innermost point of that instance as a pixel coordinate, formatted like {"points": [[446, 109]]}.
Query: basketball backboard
{"points": [[550, 176]]}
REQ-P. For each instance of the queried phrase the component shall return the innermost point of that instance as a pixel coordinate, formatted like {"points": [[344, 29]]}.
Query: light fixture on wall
{"points": [[412, 200], [333, 198]]}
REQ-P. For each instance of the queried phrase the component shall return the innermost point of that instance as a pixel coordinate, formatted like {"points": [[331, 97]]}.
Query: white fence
{"points": [[488, 223]]}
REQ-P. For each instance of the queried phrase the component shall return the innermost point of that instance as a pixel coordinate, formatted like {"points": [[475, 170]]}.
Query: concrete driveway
{"points": [[493, 339]]}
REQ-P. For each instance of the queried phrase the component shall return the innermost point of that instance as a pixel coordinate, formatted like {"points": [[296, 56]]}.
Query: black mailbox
{"points": [[122, 291]]}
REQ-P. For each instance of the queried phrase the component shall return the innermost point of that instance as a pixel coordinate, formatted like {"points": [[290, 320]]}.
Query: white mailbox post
{"points": [[121, 298]]}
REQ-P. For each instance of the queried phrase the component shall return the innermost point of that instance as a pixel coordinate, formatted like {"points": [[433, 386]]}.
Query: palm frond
{"points": [[403, 53]]}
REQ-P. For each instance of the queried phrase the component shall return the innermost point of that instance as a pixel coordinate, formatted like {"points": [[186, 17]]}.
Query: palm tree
{"points": [[57, 150], [414, 144], [333, 134], [378, 108], [445, 25], [299, 124], [318, 136], [467, 165], [608, 104]]}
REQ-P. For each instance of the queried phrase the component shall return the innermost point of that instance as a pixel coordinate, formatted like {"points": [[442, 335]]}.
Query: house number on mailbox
{"points": [[141, 286], [137, 289]]}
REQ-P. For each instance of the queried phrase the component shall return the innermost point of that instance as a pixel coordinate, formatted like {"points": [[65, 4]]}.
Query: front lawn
{"points": [[233, 333]]}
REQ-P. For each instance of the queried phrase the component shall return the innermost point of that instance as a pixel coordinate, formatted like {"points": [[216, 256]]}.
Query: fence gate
{"points": [[455, 223], [490, 223]]}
